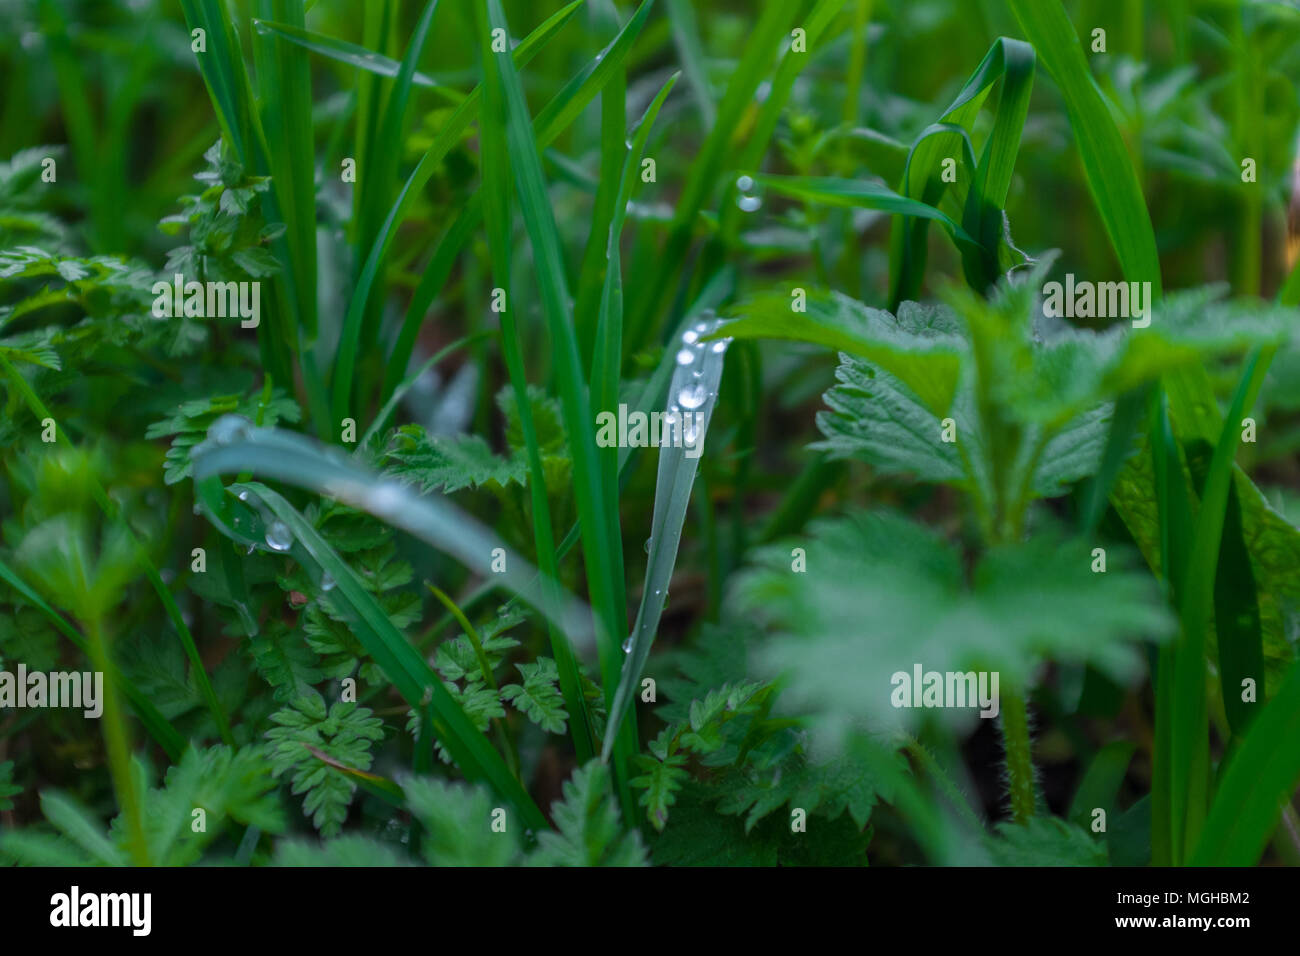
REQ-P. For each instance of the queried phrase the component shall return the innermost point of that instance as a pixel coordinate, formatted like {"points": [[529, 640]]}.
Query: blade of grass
{"points": [[539, 220], [554, 118], [408, 671], [299, 461], [353, 55], [773, 27], [448, 136], [672, 497], [606, 373], [1190, 757], [613, 133], [498, 208], [1259, 781]]}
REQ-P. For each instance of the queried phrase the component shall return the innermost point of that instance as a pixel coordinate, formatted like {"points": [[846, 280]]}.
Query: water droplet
{"points": [[627, 646], [692, 396], [749, 203], [690, 336], [647, 545], [326, 582], [691, 429], [701, 327], [195, 509], [685, 357], [243, 496], [744, 184], [720, 346], [251, 549], [278, 536], [229, 428]]}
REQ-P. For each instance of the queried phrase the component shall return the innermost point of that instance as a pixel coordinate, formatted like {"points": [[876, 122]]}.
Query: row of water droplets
{"points": [[693, 390]]}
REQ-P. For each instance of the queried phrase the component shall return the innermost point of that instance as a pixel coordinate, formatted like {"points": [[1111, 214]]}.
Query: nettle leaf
{"points": [[345, 732], [448, 463], [1053, 382], [1046, 841], [920, 346], [538, 698], [456, 821], [1271, 539], [588, 829], [191, 421], [887, 594]]}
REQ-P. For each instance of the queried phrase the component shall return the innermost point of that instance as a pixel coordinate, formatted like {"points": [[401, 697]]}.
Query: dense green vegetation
{"points": [[326, 327]]}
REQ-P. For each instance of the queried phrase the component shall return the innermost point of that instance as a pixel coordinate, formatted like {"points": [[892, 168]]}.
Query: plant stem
{"points": [[118, 745], [1020, 765]]}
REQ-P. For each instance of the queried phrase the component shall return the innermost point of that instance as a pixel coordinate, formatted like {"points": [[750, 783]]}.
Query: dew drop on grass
{"points": [[278, 536], [685, 357], [647, 545], [627, 646], [243, 496], [749, 203], [720, 346], [744, 184], [228, 429], [690, 336], [692, 396], [326, 582]]}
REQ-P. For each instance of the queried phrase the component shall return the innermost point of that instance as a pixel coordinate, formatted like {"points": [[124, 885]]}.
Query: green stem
{"points": [[1020, 764], [118, 745]]}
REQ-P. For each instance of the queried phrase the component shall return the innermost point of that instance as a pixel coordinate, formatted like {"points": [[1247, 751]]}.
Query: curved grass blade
{"points": [[984, 195], [862, 194], [304, 463], [410, 674], [342, 51], [694, 391]]}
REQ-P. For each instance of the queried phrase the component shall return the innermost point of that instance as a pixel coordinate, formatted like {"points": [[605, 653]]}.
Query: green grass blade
{"points": [[554, 118], [606, 375], [284, 78], [297, 460], [408, 671], [1106, 164], [1258, 782], [575, 403], [676, 476], [449, 136], [613, 133], [353, 55], [498, 208], [1190, 758], [769, 33]]}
